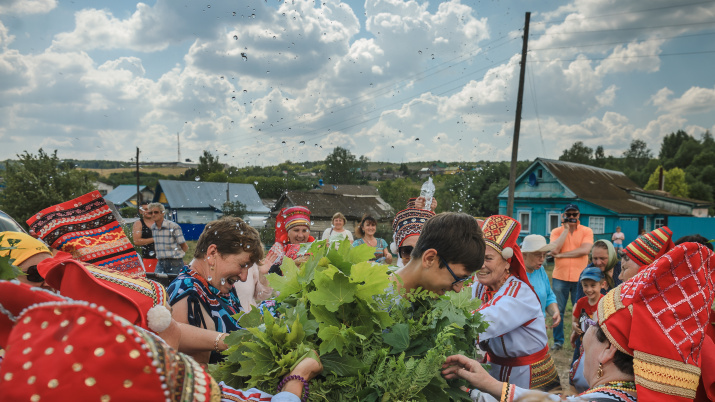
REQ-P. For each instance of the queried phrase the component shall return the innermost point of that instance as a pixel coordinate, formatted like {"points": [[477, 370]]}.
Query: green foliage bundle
{"points": [[375, 343], [8, 270]]}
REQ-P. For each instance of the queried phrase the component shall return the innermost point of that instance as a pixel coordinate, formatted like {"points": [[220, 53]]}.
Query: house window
{"points": [[539, 173], [597, 224], [525, 220], [659, 223], [553, 219]]}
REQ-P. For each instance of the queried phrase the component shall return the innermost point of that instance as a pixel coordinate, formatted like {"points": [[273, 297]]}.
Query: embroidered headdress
{"points": [[660, 317], [409, 222], [648, 247], [86, 228], [502, 233], [288, 218]]}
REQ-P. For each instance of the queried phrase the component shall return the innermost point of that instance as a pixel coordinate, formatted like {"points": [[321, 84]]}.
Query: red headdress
{"points": [[409, 222], [502, 233], [139, 300], [660, 317], [64, 349], [291, 217]]}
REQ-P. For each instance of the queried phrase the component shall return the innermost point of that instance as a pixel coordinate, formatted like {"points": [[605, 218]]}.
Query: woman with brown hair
{"points": [[366, 232], [203, 294]]}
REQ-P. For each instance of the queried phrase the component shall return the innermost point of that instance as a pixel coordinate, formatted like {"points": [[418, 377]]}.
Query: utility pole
{"points": [[178, 148], [517, 120], [139, 194]]}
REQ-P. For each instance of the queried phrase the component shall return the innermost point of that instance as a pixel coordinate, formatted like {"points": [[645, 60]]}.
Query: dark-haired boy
{"points": [[592, 280], [449, 250]]}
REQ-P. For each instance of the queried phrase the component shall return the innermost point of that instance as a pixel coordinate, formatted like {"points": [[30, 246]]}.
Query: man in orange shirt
{"points": [[572, 243]]}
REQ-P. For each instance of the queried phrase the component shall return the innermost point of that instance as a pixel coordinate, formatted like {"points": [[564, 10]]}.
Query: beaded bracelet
{"points": [[218, 338], [295, 377]]}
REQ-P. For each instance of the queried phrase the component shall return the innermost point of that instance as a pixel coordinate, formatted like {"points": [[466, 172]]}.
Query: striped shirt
{"points": [[168, 240]]}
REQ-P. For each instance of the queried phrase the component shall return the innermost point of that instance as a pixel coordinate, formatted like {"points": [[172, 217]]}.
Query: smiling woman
{"points": [[515, 342], [203, 294]]}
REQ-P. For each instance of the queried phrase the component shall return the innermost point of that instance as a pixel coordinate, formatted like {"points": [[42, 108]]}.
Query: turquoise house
{"points": [[606, 199]]}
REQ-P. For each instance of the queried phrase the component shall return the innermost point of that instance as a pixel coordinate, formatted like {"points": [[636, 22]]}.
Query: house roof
{"points": [[672, 198], [208, 195], [346, 189], [602, 187], [123, 193], [325, 205]]}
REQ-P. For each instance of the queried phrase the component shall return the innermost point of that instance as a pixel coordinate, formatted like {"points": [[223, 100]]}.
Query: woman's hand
{"points": [[270, 259], [553, 309], [459, 366], [308, 368]]}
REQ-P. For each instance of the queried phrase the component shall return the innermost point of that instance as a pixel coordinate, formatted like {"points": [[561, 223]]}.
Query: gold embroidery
{"points": [[666, 375]]}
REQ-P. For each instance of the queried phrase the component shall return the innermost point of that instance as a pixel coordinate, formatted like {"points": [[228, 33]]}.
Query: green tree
{"points": [[397, 192], [578, 153], [675, 183], [38, 181], [599, 157], [234, 208], [341, 167], [671, 143], [208, 163]]}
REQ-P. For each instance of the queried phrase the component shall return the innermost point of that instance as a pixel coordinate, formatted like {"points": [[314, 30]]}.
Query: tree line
{"points": [[687, 164]]}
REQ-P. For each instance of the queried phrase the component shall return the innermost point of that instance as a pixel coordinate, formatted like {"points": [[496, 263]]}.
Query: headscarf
{"points": [[25, 245], [612, 260], [660, 317]]}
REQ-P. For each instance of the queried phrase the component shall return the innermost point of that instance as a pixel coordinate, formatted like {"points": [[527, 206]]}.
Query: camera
{"points": [[570, 220]]}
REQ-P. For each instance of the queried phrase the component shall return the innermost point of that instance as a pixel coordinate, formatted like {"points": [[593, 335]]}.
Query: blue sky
{"points": [[263, 81]]}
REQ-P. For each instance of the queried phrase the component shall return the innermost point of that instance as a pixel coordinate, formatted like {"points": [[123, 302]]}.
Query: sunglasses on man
{"points": [[571, 214]]}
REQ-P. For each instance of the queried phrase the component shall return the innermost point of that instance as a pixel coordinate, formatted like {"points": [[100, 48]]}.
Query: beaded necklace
{"points": [[623, 386]]}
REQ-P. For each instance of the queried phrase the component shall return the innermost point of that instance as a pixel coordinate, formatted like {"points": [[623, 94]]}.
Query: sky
{"points": [[259, 82]]}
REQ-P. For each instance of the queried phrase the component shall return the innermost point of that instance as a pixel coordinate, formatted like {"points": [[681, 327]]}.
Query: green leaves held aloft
{"points": [[375, 343]]}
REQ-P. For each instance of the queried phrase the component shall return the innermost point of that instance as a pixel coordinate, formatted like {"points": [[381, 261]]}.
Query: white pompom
{"points": [[158, 318], [393, 248], [507, 253]]}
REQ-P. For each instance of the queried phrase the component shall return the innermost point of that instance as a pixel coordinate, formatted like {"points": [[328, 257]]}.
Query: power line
{"points": [[622, 43], [630, 12], [626, 57], [627, 29]]}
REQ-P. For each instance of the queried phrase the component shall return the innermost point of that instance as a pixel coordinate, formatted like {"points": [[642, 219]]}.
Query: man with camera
{"points": [[572, 243]]}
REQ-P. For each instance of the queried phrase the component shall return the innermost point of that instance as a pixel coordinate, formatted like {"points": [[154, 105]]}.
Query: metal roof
{"points": [[323, 206], [123, 193], [603, 187], [208, 195]]}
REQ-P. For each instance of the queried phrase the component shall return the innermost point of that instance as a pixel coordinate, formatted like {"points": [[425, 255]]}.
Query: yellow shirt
{"points": [[569, 269]]}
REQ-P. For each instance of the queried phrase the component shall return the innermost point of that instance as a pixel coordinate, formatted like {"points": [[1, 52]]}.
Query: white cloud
{"points": [[27, 6], [695, 100], [642, 56]]}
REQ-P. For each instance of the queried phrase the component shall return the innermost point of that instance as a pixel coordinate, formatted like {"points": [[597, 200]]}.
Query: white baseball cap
{"points": [[535, 243]]}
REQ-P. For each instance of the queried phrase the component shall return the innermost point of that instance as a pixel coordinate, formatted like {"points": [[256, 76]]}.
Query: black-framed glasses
{"points": [[456, 278], [571, 214], [33, 275], [405, 251], [587, 323]]}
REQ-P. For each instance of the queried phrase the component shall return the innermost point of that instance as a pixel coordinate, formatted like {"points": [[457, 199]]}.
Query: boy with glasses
{"points": [[572, 243], [450, 248]]}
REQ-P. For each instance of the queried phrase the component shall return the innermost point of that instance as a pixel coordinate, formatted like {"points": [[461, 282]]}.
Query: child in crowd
{"points": [[592, 281], [617, 240]]}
